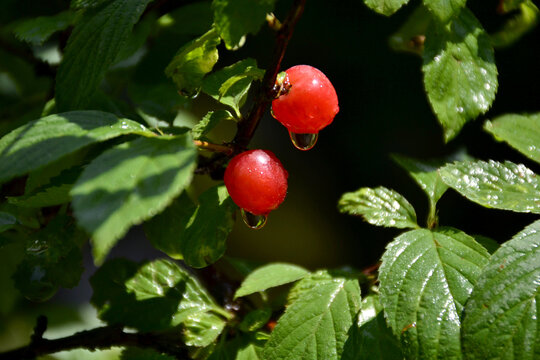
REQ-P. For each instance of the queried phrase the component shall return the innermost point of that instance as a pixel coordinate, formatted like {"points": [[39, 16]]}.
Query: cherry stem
{"points": [[213, 147]]}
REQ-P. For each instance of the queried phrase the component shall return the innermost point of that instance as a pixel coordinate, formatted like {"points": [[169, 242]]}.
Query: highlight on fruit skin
{"points": [[256, 181], [309, 103]]}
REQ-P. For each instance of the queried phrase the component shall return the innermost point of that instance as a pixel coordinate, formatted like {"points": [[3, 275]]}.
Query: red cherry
{"points": [[256, 181], [310, 104]]}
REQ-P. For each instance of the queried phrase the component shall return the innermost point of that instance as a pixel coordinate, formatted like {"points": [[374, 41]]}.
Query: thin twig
{"points": [[247, 126], [213, 147], [100, 338]]}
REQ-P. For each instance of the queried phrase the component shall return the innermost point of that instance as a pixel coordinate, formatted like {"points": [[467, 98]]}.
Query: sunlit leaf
{"points": [[501, 318], [517, 26], [493, 184], [425, 279], [385, 7], [379, 206], [460, 75]]}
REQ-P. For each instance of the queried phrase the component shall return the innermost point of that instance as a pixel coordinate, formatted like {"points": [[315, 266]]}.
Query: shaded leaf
{"points": [[193, 61], [425, 278], [239, 348], [191, 19], [56, 192], [379, 206], [92, 48], [316, 324], [43, 141], [130, 183], [370, 338], [506, 186], [269, 276], [209, 121], [132, 353], [490, 244], [149, 296], [236, 18], [444, 10], [231, 84], [53, 258], [412, 34], [196, 234], [460, 75], [517, 26], [10, 256], [256, 319], [501, 318], [36, 31], [522, 132], [7, 221]]}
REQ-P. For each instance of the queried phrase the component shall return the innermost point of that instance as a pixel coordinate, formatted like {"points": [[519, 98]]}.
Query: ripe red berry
{"points": [[256, 181], [310, 104]]}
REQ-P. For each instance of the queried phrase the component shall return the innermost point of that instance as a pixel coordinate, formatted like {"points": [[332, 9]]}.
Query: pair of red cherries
{"points": [[256, 179]]}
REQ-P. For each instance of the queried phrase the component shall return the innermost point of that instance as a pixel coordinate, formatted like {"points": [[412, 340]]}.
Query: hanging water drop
{"points": [[253, 221], [304, 142]]}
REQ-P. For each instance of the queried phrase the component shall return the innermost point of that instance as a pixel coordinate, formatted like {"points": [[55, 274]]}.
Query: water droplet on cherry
{"points": [[304, 142], [253, 221]]}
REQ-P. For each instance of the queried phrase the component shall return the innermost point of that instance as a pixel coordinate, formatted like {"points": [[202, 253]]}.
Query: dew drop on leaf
{"points": [[254, 221], [304, 142]]}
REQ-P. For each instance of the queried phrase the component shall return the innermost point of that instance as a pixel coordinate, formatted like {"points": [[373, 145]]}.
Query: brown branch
{"points": [[248, 125], [99, 338]]}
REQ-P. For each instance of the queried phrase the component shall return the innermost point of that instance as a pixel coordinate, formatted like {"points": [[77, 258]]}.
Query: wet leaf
{"points": [[269, 276], [316, 324], [43, 141], [506, 186], [425, 279], [155, 295], [460, 75], [379, 206], [501, 318], [130, 183], [522, 132]]}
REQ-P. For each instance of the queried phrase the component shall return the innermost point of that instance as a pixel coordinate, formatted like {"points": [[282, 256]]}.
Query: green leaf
{"points": [[444, 10], [490, 244], [130, 183], [202, 330], [150, 296], [43, 141], [379, 206], [56, 192], [132, 353], [460, 75], [269, 276], [256, 319], [87, 4], [425, 278], [209, 121], [236, 18], [385, 7], [239, 348], [411, 35], [193, 61], [517, 26], [370, 338], [53, 258], [36, 31], [10, 256], [522, 132], [316, 325], [196, 234], [92, 48], [231, 84], [509, 5], [506, 186], [424, 172], [191, 19], [501, 318], [7, 221]]}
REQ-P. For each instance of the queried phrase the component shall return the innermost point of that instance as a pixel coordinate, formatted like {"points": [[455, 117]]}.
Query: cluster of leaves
{"points": [[460, 74], [447, 294]]}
